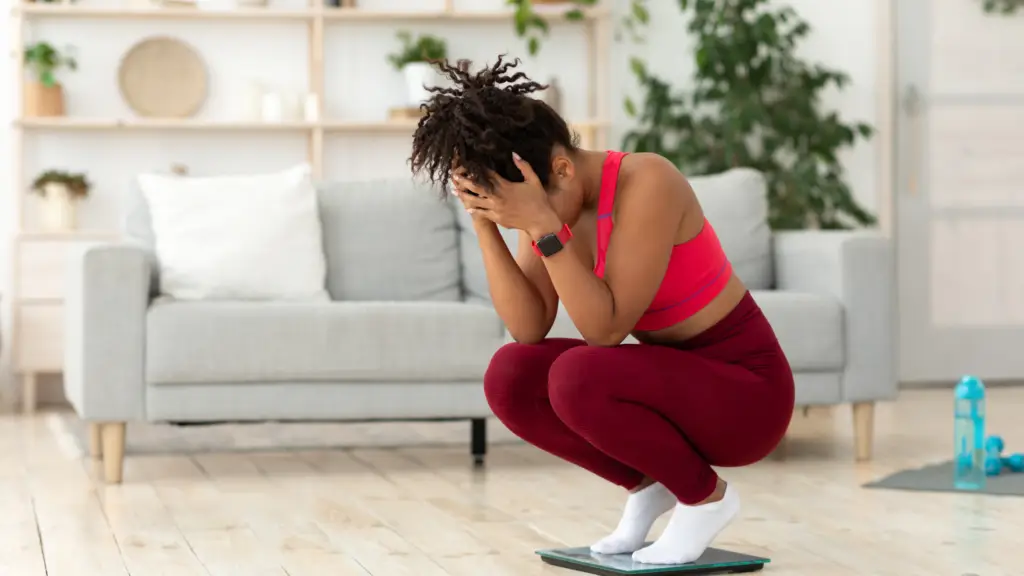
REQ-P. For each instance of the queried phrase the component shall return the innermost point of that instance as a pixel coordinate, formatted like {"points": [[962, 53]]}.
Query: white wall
{"points": [[361, 85]]}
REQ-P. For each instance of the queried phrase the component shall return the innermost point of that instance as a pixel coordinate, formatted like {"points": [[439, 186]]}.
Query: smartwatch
{"points": [[551, 244]]}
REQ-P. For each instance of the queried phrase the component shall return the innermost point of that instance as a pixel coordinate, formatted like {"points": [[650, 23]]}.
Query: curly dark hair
{"points": [[481, 121]]}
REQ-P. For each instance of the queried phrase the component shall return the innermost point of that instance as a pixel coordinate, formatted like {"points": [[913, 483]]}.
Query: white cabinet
{"points": [[41, 262]]}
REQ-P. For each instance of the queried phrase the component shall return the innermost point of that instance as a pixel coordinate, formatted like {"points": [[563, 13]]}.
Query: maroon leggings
{"points": [[724, 398]]}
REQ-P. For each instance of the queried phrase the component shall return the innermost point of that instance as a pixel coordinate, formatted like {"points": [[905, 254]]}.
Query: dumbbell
{"points": [[1014, 462], [995, 461]]}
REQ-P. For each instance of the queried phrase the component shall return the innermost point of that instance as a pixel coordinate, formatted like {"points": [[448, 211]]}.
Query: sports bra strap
{"points": [[605, 206]]}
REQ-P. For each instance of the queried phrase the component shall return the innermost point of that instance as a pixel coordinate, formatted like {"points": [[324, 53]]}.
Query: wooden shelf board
{"points": [[66, 123], [470, 15], [71, 123], [36, 301], [72, 11], [69, 235], [331, 14]]}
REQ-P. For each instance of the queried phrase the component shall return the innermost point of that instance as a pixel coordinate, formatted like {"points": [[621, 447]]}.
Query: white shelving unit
{"points": [[39, 257]]}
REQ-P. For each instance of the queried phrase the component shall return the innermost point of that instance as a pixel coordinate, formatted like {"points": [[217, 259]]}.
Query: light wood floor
{"points": [[423, 511]]}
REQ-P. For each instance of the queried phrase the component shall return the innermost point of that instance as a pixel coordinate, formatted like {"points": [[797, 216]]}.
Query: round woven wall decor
{"points": [[162, 77]]}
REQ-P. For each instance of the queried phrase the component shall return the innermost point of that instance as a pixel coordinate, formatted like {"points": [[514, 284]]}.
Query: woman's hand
{"points": [[516, 205]]}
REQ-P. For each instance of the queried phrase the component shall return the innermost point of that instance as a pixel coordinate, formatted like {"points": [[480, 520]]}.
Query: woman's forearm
{"points": [[587, 298], [515, 298]]}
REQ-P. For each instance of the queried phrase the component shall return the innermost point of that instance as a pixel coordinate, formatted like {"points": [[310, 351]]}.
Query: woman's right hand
{"points": [[462, 193]]}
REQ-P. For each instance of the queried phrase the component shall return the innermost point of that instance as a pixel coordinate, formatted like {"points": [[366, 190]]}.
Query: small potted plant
{"points": [[416, 61], [60, 192], [44, 95]]}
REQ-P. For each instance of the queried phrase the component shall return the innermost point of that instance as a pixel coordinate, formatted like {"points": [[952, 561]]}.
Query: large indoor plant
{"points": [[533, 26], [415, 60], [754, 103], [1002, 6], [44, 95], [60, 191]]}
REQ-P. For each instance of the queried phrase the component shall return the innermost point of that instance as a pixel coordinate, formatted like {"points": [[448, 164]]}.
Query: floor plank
{"points": [[423, 510]]}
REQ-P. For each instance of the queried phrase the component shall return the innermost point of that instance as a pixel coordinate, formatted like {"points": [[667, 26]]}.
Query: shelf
{"points": [[71, 11], [400, 126], [69, 235], [66, 123], [351, 126], [476, 16], [34, 10]]}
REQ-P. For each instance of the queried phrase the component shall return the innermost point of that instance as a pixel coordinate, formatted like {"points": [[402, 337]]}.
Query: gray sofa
{"points": [[410, 330]]}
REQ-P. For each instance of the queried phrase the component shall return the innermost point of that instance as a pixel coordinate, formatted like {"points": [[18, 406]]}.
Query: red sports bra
{"points": [[697, 271]]}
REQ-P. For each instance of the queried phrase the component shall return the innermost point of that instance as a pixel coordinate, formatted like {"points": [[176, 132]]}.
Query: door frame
{"points": [[887, 102]]}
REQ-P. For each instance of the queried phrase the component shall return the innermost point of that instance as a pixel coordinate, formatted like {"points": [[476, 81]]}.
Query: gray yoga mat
{"points": [[939, 478]]}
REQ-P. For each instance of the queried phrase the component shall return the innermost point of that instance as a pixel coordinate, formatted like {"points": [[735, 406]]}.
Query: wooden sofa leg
{"points": [[112, 436], [95, 440], [863, 429]]}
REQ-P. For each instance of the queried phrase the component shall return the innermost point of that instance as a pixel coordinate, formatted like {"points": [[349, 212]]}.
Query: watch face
{"points": [[549, 245]]}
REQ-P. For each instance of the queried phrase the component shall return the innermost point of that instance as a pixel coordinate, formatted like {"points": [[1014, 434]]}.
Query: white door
{"points": [[960, 191]]}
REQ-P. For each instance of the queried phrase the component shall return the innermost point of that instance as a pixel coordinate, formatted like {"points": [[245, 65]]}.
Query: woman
{"points": [[621, 241]]}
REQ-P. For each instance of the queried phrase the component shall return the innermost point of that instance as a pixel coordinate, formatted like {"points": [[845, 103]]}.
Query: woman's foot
{"points": [[691, 530], [643, 508]]}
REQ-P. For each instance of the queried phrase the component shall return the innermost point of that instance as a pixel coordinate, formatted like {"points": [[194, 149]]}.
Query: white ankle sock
{"points": [[643, 508], [690, 531]]}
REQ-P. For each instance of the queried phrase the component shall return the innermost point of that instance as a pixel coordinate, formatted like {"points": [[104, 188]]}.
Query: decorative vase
{"points": [[43, 101], [58, 207], [419, 75]]}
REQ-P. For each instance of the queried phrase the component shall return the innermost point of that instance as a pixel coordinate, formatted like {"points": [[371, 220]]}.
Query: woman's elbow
{"points": [[527, 336], [528, 339], [605, 340]]}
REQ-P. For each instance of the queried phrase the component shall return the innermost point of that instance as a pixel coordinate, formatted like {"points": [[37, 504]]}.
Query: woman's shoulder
{"points": [[652, 175], [634, 160]]}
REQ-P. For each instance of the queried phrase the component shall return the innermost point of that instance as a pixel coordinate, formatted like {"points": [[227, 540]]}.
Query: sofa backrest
{"points": [[389, 240], [383, 240], [395, 240], [736, 204]]}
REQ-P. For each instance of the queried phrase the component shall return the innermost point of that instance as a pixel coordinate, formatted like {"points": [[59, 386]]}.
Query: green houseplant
{"points": [[533, 26], [754, 103], [44, 95], [415, 60], [1002, 6], [60, 191]]}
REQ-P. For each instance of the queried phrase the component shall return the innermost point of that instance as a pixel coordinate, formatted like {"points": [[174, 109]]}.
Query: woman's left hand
{"points": [[517, 205]]}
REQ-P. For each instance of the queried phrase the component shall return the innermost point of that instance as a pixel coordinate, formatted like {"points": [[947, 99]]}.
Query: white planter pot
{"points": [[58, 207], [417, 76]]}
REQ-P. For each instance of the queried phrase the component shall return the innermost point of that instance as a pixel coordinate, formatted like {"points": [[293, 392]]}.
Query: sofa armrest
{"points": [[108, 293], [857, 269]]}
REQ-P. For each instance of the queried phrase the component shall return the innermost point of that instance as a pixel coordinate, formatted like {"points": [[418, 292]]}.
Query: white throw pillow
{"points": [[253, 237]]}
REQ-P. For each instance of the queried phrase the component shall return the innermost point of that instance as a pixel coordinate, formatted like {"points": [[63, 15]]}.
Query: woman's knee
{"points": [[518, 373], [580, 381]]}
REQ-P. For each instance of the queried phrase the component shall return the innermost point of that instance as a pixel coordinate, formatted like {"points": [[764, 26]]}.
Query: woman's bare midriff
{"points": [[707, 317]]}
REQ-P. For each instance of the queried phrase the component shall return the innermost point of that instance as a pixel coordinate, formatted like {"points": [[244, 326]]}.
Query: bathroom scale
{"points": [[713, 561]]}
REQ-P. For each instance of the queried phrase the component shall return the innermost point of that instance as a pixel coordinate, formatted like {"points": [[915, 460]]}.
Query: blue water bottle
{"points": [[969, 434]]}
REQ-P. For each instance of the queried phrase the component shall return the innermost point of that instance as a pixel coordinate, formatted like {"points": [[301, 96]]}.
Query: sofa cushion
{"points": [[389, 240], [238, 237], [809, 327], [208, 342], [736, 204]]}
